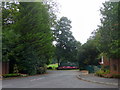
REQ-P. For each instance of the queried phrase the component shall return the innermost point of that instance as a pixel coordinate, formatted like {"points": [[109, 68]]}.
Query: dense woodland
{"points": [[30, 28]]}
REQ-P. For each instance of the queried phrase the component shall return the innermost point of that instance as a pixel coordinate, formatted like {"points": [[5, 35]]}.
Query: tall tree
{"points": [[28, 41], [66, 43], [36, 37], [88, 53], [108, 33], [9, 37]]}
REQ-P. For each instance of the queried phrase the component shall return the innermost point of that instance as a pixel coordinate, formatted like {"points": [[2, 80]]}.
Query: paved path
{"points": [[96, 79], [54, 79]]}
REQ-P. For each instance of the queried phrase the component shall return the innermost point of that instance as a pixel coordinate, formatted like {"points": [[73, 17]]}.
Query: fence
{"points": [[92, 68], [4, 68]]}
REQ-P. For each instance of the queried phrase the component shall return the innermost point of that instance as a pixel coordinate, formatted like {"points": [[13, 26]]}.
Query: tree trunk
{"points": [[58, 62]]}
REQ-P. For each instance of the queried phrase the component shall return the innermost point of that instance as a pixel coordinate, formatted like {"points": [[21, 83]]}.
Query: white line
{"points": [[36, 79]]}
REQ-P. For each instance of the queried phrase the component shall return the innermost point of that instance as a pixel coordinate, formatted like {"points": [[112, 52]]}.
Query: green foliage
{"points": [[106, 73], [92, 68], [9, 41], [11, 75], [9, 13], [14, 75], [15, 69], [42, 70], [52, 66], [27, 36], [102, 72], [88, 54], [116, 76], [99, 73], [9, 36], [66, 49], [107, 35]]}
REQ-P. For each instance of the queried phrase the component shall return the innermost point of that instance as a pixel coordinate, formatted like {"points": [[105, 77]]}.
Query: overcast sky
{"points": [[84, 14]]}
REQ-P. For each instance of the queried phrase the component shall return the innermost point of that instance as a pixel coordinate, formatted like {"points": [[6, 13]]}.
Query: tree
{"points": [[9, 37], [105, 39], [108, 33], [36, 36], [66, 43], [29, 38], [88, 54]]}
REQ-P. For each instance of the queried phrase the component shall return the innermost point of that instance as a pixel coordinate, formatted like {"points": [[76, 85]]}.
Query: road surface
{"points": [[54, 79]]}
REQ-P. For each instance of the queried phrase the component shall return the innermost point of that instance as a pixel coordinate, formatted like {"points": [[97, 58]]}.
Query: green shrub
{"points": [[106, 71], [102, 72], [11, 75], [99, 73], [42, 70], [52, 66], [49, 68], [116, 76]]}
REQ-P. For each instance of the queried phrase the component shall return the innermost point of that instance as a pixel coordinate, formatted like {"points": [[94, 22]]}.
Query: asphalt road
{"points": [[54, 79]]}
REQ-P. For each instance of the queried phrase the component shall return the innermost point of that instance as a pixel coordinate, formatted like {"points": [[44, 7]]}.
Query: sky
{"points": [[84, 14]]}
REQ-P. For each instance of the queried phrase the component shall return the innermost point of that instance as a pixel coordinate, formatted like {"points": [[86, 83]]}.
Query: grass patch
{"points": [[10, 75], [14, 75], [52, 66]]}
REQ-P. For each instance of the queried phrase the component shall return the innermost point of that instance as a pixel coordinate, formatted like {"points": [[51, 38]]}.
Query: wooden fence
{"points": [[4, 67]]}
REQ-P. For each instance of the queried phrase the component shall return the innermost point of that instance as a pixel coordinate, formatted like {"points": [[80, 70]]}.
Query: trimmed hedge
{"points": [[10, 75]]}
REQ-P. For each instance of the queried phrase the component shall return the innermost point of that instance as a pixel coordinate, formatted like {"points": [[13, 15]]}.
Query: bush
{"points": [[116, 76], [99, 73], [52, 66], [102, 72], [106, 71], [49, 68], [11, 75], [56, 68], [42, 70]]}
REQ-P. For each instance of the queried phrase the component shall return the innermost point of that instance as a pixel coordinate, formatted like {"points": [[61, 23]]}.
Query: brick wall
{"points": [[115, 66], [106, 61]]}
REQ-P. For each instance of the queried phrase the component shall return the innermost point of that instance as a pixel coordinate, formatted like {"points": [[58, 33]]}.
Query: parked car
{"points": [[67, 67]]}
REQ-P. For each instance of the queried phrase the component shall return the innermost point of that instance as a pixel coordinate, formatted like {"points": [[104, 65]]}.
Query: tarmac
{"points": [[100, 80]]}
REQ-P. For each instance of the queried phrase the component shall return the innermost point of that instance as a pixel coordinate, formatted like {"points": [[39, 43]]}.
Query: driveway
{"points": [[53, 79]]}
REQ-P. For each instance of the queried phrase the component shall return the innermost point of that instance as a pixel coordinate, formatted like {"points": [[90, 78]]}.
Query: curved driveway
{"points": [[53, 79]]}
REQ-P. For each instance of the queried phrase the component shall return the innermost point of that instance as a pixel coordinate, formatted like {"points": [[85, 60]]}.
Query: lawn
{"points": [[53, 65]]}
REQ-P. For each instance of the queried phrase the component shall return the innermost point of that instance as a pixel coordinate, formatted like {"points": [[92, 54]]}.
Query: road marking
{"points": [[39, 78], [33, 80], [36, 79]]}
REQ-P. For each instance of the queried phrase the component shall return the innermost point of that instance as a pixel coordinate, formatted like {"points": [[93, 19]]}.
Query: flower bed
{"points": [[106, 74]]}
